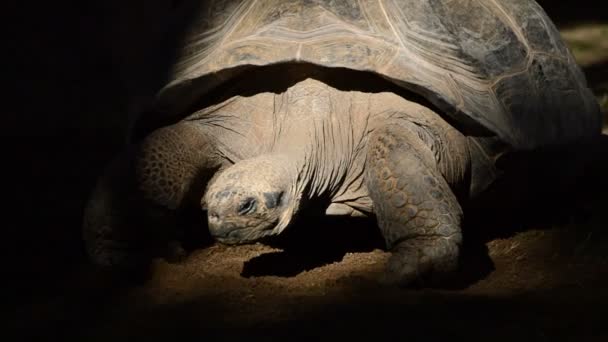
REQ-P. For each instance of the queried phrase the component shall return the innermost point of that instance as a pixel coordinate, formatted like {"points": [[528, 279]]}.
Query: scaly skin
{"points": [[133, 211], [116, 228], [417, 211], [174, 164]]}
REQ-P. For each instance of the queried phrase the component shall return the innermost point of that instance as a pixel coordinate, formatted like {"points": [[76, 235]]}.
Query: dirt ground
{"points": [[530, 272], [535, 268]]}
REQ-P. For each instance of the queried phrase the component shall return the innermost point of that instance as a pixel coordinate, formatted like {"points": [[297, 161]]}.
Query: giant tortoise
{"points": [[390, 109]]}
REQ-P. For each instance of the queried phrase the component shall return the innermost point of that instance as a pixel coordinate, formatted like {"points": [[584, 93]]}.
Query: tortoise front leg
{"points": [[417, 211], [133, 211]]}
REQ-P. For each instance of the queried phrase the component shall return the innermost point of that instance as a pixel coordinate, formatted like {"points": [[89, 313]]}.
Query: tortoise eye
{"points": [[247, 206]]}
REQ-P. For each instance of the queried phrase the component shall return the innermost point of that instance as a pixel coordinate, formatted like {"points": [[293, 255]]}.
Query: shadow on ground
{"points": [[428, 316]]}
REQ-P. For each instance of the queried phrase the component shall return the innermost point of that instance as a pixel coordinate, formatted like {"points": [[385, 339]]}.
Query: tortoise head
{"points": [[249, 200]]}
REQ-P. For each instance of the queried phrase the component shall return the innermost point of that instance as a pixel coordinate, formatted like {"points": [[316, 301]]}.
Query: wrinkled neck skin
{"points": [[314, 134]]}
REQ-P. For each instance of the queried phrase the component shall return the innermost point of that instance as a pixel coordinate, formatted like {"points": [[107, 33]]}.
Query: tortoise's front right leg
{"points": [[132, 213], [417, 211]]}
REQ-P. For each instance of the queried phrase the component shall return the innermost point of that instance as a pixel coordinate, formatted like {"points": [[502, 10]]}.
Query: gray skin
{"points": [[270, 146]]}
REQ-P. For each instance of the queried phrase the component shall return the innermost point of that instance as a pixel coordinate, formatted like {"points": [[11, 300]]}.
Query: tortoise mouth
{"points": [[230, 234], [243, 236]]}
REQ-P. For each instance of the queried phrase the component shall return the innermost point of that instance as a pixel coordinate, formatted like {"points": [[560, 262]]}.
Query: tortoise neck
{"points": [[300, 174], [305, 174]]}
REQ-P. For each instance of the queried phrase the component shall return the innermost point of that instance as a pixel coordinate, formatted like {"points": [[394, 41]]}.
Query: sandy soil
{"points": [[534, 268]]}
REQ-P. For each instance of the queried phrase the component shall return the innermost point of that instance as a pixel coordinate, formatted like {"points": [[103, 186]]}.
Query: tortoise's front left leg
{"points": [[133, 211], [418, 213]]}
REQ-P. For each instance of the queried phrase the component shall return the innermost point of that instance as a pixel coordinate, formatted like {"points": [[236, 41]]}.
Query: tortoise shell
{"points": [[498, 65]]}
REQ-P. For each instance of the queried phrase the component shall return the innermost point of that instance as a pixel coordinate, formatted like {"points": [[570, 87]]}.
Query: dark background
{"points": [[77, 72]]}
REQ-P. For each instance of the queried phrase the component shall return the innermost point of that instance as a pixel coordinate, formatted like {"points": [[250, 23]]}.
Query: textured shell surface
{"points": [[500, 64]]}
